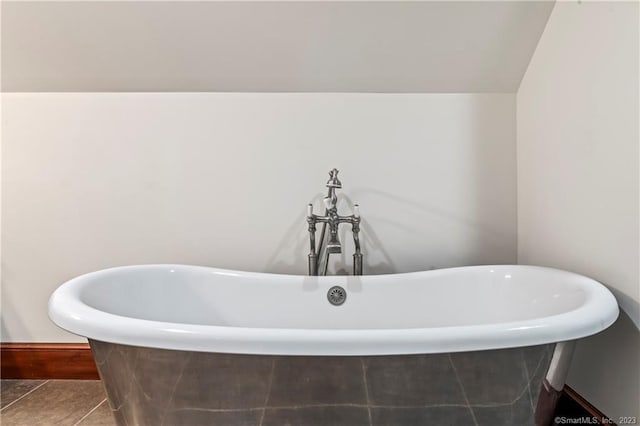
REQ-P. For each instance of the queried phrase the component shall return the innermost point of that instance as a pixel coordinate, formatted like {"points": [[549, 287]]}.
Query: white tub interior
{"points": [[447, 298]]}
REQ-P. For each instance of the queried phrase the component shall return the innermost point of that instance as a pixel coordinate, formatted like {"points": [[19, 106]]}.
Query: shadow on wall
{"points": [[415, 222], [376, 260], [631, 306], [439, 237], [494, 194], [293, 245], [8, 310], [595, 372]]}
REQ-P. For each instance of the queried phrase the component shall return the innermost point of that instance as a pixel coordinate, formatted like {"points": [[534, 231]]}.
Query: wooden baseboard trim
{"points": [[572, 405], [47, 361]]}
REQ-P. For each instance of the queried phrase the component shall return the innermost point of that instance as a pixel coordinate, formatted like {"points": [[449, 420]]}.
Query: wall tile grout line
{"points": [[90, 411], [366, 390], [175, 386], [464, 392], [337, 405], [32, 390], [131, 380], [529, 379], [266, 399]]}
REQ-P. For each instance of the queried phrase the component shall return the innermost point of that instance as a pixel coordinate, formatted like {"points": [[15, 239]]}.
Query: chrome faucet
{"points": [[333, 219]]}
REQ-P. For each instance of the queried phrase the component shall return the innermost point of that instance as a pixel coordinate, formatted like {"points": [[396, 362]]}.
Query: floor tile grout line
{"points": [[89, 413], [32, 390], [464, 392]]}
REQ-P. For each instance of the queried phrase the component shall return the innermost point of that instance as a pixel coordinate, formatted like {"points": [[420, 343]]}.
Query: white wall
{"points": [[97, 180], [578, 179]]}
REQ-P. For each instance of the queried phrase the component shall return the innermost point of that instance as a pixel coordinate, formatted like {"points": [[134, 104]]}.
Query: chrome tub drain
{"points": [[337, 295]]}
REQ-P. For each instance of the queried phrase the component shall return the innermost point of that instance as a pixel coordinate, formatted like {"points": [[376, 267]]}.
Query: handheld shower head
{"points": [[333, 245]]}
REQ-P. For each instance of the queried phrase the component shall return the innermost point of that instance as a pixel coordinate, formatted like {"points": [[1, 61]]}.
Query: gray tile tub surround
{"points": [[165, 387]]}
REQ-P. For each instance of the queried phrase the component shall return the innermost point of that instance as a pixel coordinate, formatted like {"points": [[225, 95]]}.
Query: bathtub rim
{"points": [[599, 311]]}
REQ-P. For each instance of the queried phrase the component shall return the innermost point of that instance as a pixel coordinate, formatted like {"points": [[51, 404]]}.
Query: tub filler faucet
{"points": [[319, 259]]}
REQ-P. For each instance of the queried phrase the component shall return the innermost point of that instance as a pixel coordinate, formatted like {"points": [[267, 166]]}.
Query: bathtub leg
{"points": [[553, 383]]}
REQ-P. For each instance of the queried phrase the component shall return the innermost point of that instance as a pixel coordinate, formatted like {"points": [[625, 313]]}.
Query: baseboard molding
{"points": [[47, 361], [572, 405]]}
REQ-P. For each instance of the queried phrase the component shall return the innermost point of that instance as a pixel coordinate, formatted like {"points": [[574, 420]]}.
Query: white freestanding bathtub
{"points": [[481, 336]]}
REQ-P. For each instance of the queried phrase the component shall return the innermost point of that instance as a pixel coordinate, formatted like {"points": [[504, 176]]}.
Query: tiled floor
{"points": [[54, 402]]}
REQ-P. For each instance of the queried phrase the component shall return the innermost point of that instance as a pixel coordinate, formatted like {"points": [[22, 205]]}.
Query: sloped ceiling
{"points": [[269, 46]]}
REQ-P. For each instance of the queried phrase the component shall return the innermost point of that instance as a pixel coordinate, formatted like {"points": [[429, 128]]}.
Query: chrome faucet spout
{"points": [[334, 246]]}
